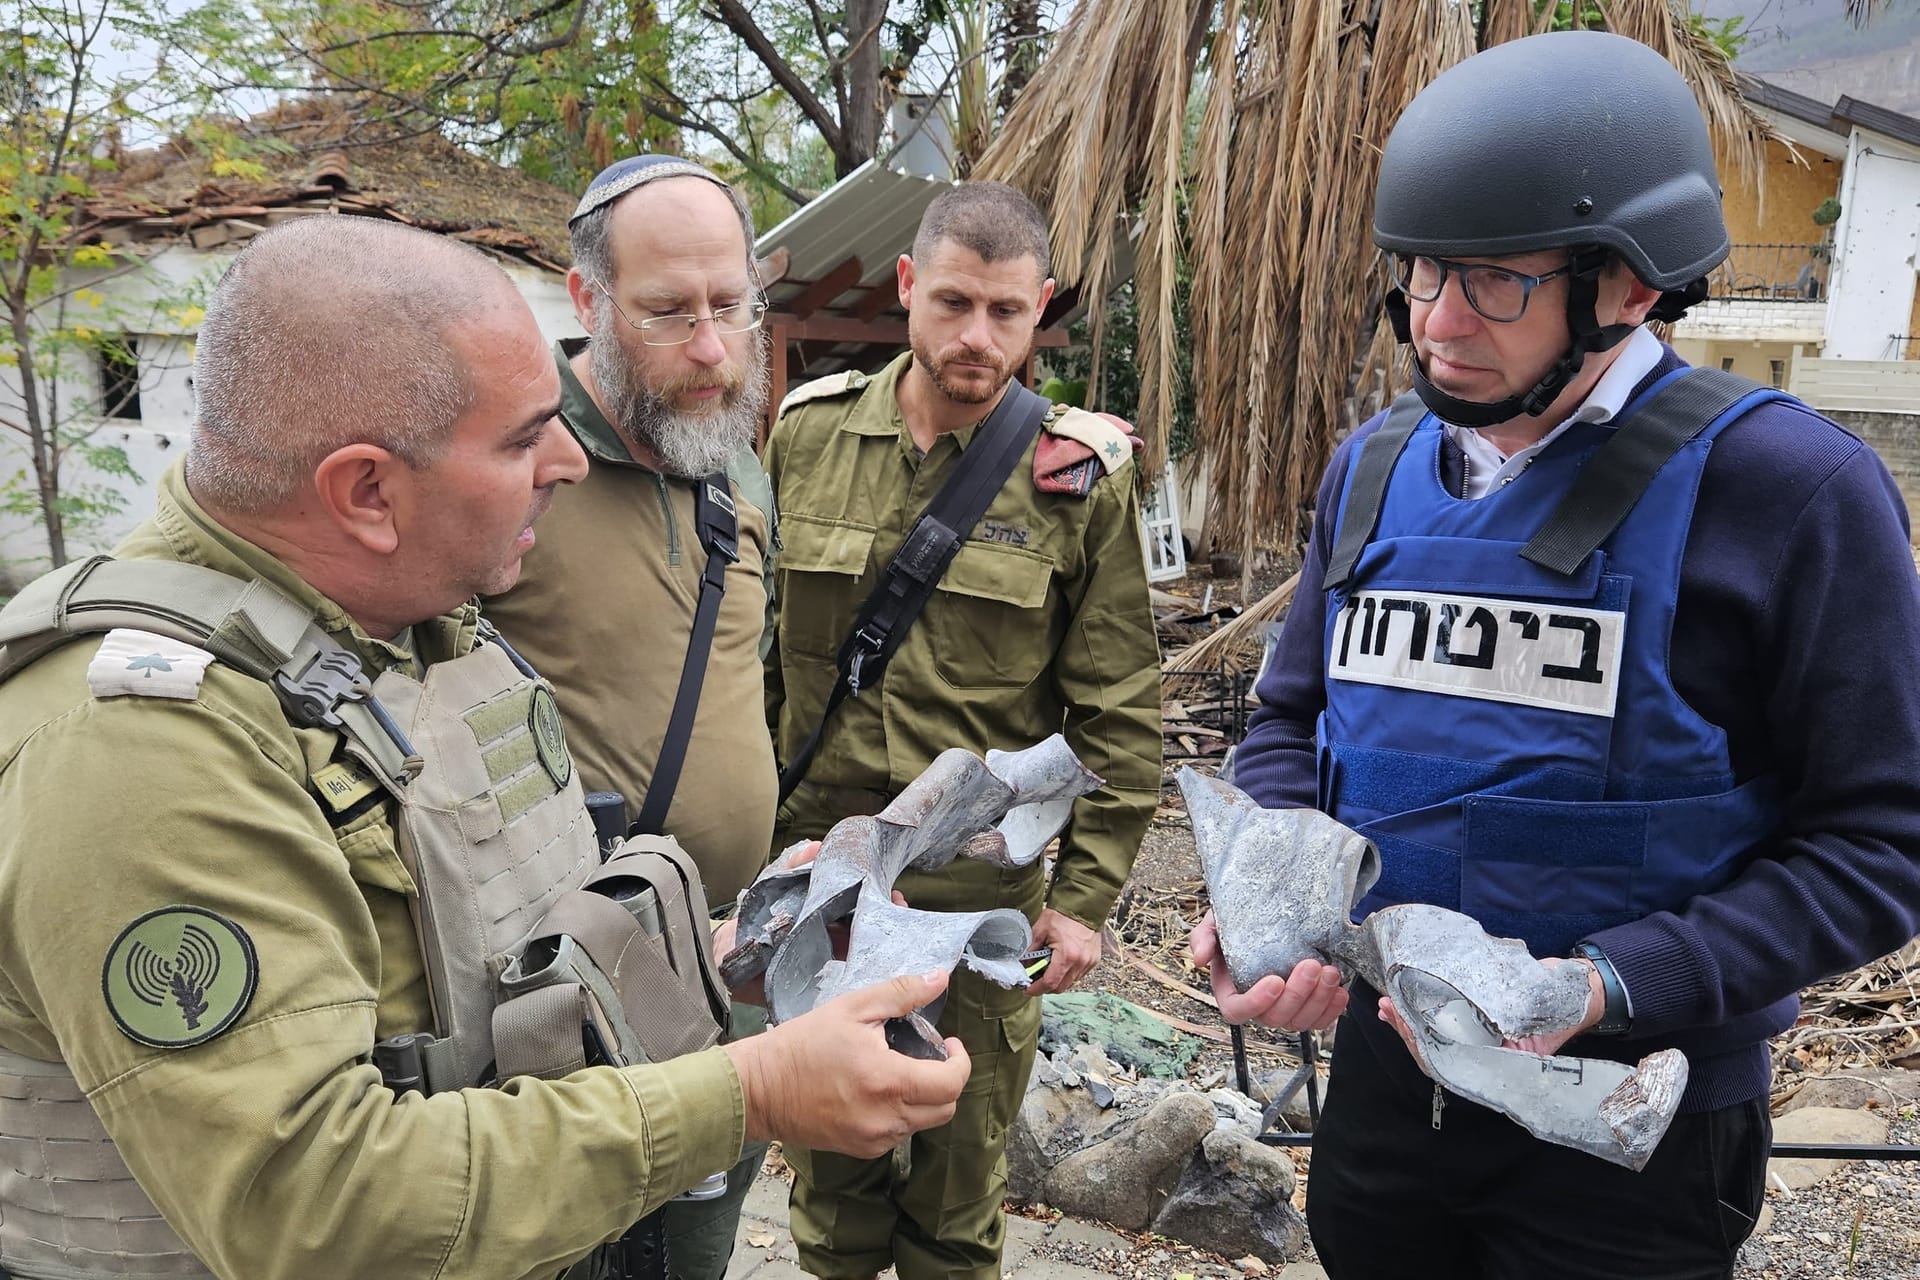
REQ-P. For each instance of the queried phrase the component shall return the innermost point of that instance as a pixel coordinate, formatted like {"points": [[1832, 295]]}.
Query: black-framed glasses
{"points": [[1496, 293], [678, 330]]}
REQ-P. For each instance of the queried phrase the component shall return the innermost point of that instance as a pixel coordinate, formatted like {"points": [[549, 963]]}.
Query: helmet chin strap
{"points": [[1583, 291]]}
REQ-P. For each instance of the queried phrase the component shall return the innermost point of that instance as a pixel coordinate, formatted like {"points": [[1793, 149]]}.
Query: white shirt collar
{"points": [[1488, 468]]}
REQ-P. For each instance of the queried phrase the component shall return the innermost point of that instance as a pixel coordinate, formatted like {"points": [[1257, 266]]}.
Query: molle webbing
{"points": [[629, 957], [68, 1206]]}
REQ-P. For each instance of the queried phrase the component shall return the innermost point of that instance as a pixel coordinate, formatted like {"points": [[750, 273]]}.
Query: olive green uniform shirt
{"points": [[603, 609], [1041, 625], [273, 1149]]}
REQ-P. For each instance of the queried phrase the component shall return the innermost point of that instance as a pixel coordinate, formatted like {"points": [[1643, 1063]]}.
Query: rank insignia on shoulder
{"points": [[141, 664], [834, 384], [179, 976]]}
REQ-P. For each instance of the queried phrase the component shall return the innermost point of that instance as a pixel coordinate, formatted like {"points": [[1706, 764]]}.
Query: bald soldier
{"points": [[658, 560], [224, 867], [1039, 625]]}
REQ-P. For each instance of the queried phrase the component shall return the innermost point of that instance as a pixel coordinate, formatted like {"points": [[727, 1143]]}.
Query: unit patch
{"points": [[144, 665], [549, 739], [179, 976], [1537, 655]]}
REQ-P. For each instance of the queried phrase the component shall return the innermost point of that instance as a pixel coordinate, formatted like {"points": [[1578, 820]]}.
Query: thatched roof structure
{"points": [[313, 163]]}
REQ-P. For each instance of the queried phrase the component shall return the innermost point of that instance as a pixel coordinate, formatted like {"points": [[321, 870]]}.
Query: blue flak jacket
{"points": [[1510, 738]]}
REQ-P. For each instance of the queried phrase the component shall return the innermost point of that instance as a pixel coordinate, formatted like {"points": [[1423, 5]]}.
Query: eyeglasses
{"points": [[675, 331], [1496, 293]]}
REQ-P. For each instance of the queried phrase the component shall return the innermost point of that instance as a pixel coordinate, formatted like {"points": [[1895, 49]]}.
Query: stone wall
{"points": [[1896, 438]]}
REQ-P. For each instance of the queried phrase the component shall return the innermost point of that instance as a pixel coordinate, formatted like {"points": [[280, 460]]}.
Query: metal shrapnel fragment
{"points": [[1283, 884], [1002, 810]]}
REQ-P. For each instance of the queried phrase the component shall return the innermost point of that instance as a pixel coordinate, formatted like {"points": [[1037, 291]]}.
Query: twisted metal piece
{"points": [[1283, 884], [1002, 810]]}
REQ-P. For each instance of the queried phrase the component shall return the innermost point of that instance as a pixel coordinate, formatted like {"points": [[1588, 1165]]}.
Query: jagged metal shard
{"points": [[1283, 883], [1244, 853], [1002, 810]]}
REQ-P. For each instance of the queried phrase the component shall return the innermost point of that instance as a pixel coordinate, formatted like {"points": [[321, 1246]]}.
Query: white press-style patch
{"points": [[141, 664], [1538, 655]]}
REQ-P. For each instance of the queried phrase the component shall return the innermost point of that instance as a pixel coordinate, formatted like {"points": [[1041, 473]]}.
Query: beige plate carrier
{"points": [[527, 935]]}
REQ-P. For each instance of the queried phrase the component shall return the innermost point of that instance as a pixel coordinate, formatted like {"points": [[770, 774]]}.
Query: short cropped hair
{"points": [[992, 219], [325, 332], [591, 240]]}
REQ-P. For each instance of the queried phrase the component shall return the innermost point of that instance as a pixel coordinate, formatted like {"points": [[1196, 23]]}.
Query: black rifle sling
{"points": [[718, 526], [916, 568]]}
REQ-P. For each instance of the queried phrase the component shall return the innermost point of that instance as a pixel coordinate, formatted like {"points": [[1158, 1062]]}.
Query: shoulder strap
{"points": [[1612, 481], [247, 624], [917, 567], [718, 526], [1367, 492]]}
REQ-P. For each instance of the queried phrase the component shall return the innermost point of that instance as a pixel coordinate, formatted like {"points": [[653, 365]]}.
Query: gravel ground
{"points": [[1863, 1223]]}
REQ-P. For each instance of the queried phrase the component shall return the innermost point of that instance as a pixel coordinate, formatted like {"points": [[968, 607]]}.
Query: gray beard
{"points": [[684, 444]]}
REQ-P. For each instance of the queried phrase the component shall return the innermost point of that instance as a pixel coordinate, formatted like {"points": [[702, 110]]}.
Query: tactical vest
{"points": [[1506, 731], [540, 957]]}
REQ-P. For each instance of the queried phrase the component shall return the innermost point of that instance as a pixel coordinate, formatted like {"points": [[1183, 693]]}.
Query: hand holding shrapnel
{"points": [[1002, 810], [1283, 883]]}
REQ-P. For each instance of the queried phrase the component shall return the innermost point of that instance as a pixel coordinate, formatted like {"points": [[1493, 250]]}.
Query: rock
{"points": [[1054, 1121], [1251, 1265], [1851, 1091], [1125, 1179], [1825, 1125], [1236, 1199], [1130, 1038], [1236, 1111]]}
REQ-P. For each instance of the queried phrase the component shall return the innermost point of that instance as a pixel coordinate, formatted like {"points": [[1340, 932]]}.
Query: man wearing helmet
{"points": [[1627, 680]]}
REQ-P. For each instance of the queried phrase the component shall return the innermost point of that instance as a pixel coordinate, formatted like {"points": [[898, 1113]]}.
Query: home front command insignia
{"points": [[179, 976], [548, 738]]}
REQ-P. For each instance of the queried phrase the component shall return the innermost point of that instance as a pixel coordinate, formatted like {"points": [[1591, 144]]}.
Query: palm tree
{"points": [[1296, 98]]}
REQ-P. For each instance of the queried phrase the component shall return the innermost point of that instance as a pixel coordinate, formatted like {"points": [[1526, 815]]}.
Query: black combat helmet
{"points": [[1574, 139]]}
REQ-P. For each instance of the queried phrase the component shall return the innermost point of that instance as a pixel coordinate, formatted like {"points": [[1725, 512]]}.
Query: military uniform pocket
{"points": [[987, 623], [819, 572]]}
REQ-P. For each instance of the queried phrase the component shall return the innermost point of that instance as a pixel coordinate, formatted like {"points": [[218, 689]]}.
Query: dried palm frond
{"points": [[1285, 336], [1235, 645]]}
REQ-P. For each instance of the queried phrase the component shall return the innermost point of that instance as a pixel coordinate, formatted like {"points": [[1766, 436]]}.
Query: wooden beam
{"points": [[777, 359], [820, 328], [841, 329], [878, 299], [823, 291]]}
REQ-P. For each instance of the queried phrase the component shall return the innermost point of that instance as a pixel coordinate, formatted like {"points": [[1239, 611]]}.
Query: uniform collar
{"points": [[886, 386], [582, 414], [195, 537]]}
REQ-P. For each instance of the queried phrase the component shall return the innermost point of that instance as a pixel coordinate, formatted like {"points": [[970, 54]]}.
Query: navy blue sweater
{"points": [[1797, 631]]}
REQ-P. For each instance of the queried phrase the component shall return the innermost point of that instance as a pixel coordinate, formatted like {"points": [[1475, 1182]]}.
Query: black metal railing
{"points": [[1903, 346], [1772, 272]]}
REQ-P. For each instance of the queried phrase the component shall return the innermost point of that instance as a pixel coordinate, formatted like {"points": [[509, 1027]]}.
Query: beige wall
{"points": [[1792, 194], [1750, 359]]}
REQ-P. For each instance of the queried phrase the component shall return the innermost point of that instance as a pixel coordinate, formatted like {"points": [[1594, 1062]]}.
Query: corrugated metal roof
{"points": [[870, 214]]}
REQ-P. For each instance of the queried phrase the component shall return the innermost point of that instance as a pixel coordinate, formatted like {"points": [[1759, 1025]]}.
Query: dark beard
{"points": [[683, 444], [956, 392]]}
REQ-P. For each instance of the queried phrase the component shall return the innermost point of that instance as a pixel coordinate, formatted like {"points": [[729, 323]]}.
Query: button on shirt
{"points": [[1487, 468]]}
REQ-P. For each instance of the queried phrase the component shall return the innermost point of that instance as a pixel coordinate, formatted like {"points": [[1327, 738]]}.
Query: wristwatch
{"points": [[1615, 1017]]}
